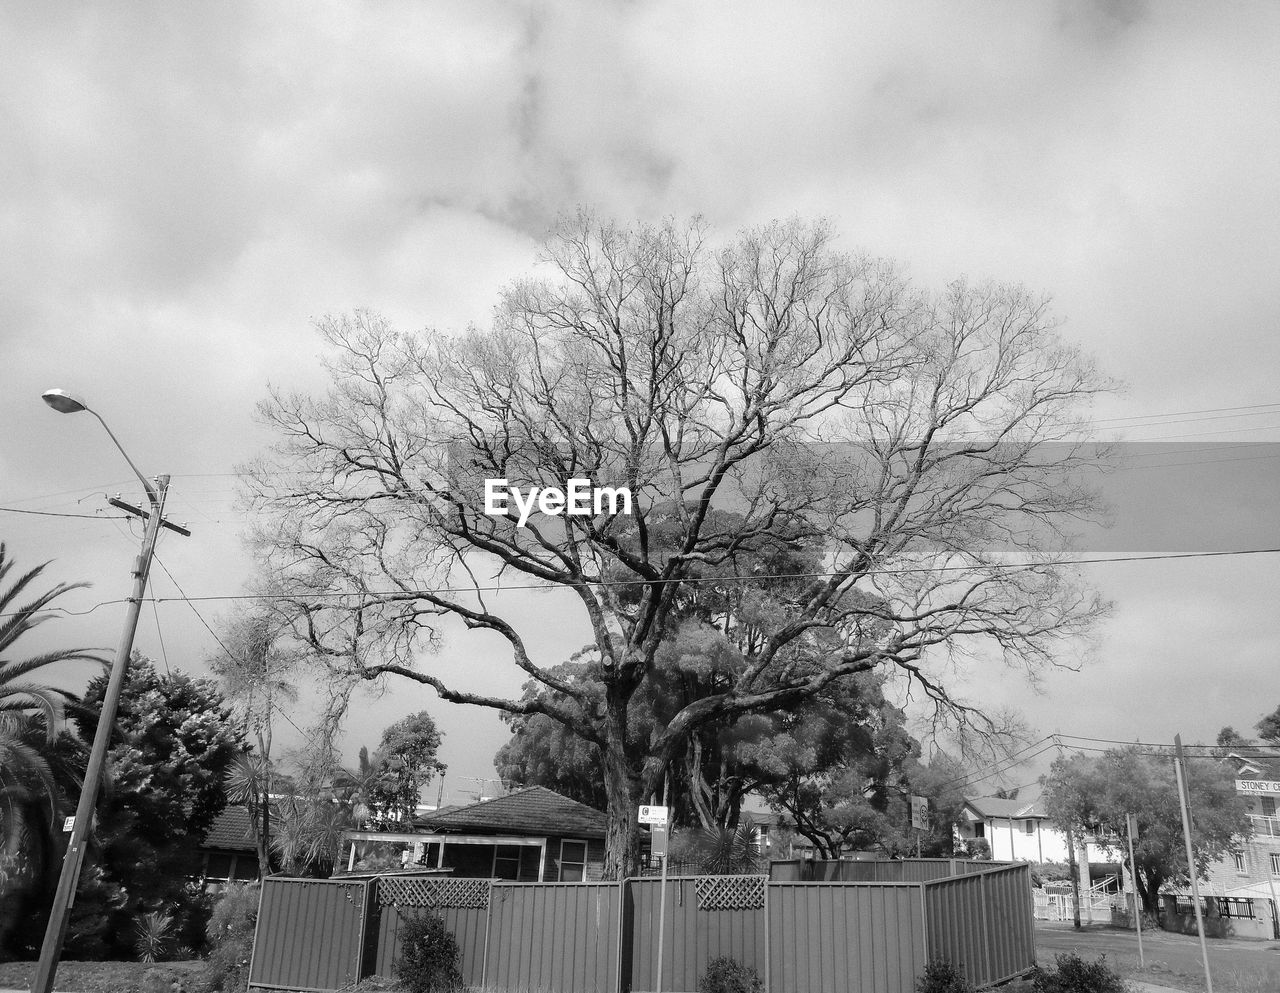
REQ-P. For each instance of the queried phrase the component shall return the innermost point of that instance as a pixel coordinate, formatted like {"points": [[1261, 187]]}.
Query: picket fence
{"points": [[868, 935]]}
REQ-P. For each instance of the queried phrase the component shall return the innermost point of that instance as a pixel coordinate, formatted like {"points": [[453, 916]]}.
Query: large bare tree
{"points": [[765, 388]]}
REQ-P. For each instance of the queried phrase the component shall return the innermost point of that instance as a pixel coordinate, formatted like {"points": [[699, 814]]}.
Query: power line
{"points": [[690, 580], [274, 706], [50, 513]]}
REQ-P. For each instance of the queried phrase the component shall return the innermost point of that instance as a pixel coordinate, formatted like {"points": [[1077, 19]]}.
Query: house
{"points": [[1252, 869], [529, 835], [1020, 831], [229, 851], [1015, 830]]}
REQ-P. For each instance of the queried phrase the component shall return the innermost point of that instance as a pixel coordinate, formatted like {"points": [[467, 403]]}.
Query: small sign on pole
{"points": [[920, 813], [656, 816], [68, 825]]}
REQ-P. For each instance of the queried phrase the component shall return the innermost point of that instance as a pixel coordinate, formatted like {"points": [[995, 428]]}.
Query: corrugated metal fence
{"points": [[869, 934]]}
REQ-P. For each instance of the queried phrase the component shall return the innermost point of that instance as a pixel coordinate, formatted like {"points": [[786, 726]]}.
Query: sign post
{"points": [[919, 818], [1131, 827], [656, 818]]}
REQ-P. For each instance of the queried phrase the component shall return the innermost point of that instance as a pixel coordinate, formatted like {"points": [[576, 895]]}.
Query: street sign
{"points": [[653, 815], [1257, 786], [920, 813], [1131, 824], [658, 841], [68, 825]]}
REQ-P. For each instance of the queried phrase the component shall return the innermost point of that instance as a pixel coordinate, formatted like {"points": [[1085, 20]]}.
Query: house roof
{"points": [[994, 806], [534, 810], [232, 831], [1260, 762]]}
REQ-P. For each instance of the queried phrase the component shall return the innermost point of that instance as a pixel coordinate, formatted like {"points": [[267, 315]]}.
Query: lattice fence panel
{"points": [[730, 892], [409, 891]]}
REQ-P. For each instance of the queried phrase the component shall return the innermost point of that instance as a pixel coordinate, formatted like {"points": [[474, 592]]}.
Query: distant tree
{"points": [[169, 755], [1269, 727], [407, 756], [545, 752], [37, 785], [839, 769], [257, 669], [1092, 795]]}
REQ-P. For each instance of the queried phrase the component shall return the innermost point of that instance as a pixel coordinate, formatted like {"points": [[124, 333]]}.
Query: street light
{"points": [[64, 897]]}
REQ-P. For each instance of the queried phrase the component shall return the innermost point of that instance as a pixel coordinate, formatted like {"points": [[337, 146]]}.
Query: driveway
{"points": [[1172, 959]]}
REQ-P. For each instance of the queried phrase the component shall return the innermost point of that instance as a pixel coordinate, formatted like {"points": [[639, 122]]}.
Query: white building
{"points": [[1019, 831]]}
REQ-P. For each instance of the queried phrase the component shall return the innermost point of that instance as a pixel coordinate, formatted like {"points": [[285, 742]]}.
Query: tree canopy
{"points": [[917, 445], [1093, 794], [169, 755]]}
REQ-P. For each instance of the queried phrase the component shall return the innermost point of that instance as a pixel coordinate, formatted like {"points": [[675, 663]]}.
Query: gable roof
{"points": [[534, 810], [994, 806]]}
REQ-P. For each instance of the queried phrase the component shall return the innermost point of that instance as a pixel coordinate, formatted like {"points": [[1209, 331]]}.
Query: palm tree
{"points": [[32, 716]]}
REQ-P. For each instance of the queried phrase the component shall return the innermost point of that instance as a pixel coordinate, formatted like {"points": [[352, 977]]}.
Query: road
{"points": [[1172, 959]]}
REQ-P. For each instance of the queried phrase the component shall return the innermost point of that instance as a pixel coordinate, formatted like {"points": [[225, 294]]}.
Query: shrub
{"points": [[230, 934], [429, 956], [940, 976], [153, 935], [726, 975], [1072, 974]]}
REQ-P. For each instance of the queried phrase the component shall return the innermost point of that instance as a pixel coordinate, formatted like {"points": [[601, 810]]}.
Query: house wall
{"points": [[1258, 875], [1045, 843], [595, 859]]}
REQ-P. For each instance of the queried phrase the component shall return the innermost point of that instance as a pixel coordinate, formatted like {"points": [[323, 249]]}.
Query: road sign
{"points": [[658, 841], [920, 813], [1131, 824], [653, 815], [68, 825]]}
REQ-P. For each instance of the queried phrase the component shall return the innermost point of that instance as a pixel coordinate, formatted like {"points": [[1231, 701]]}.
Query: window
{"points": [[1031, 826], [506, 861], [1239, 860], [1268, 806], [979, 829], [573, 861], [1275, 863]]}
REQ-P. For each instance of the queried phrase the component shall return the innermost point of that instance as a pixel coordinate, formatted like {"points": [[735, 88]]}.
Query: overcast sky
{"points": [[184, 188]]}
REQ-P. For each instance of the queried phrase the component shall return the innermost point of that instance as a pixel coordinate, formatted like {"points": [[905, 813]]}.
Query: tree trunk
{"points": [[622, 789], [1075, 878]]}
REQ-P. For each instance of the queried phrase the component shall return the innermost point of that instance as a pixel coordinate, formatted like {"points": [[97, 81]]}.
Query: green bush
{"points": [[1072, 974], [428, 956], [726, 975], [230, 935], [940, 976]]}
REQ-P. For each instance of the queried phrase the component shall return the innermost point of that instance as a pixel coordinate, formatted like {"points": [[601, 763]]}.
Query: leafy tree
{"points": [[847, 771], [817, 396], [544, 752], [35, 783], [1269, 727], [1085, 794], [407, 760], [169, 755]]}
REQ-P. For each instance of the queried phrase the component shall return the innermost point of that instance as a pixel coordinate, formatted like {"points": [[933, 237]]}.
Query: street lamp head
{"points": [[63, 402]]}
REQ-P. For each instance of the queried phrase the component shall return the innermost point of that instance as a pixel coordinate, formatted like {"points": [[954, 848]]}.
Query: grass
{"points": [[108, 977]]}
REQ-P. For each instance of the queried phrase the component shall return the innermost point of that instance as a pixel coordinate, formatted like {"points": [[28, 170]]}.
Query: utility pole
{"points": [[72, 862], [1185, 803]]}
